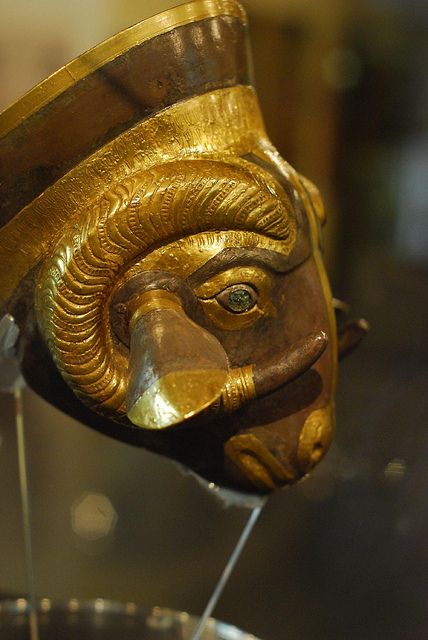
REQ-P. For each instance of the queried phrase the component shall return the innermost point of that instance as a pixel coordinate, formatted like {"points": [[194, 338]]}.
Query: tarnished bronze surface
{"points": [[164, 262]]}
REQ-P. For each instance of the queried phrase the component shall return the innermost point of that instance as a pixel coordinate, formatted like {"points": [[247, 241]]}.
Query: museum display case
{"points": [[164, 283]]}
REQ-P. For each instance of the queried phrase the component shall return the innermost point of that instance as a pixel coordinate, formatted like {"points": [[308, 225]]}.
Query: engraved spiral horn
{"points": [[168, 201]]}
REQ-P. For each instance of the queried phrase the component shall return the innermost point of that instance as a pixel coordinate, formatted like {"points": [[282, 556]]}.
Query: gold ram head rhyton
{"points": [[163, 261]]}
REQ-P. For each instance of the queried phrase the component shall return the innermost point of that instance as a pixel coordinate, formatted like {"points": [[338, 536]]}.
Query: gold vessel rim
{"points": [[110, 49], [94, 174]]}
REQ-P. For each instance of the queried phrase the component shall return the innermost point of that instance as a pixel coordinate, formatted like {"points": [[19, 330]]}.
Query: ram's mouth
{"points": [[255, 466]]}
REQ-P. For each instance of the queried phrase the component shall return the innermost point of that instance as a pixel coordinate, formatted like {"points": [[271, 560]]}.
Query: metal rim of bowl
{"points": [[159, 618]]}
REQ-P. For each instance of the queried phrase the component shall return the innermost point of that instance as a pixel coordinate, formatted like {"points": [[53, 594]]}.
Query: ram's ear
{"points": [[350, 332], [315, 199]]}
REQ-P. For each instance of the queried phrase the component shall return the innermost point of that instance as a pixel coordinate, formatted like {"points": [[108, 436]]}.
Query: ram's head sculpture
{"points": [[163, 262]]}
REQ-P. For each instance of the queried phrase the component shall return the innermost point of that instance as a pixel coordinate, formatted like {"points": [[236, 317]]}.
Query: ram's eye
{"points": [[238, 298], [235, 299]]}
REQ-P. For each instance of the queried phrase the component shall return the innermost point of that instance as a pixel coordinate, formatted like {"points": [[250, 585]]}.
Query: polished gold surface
{"points": [[185, 256], [239, 388], [228, 321], [107, 51], [308, 193], [208, 294], [315, 438], [147, 209], [226, 122], [153, 300], [257, 463], [172, 399], [315, 198]]}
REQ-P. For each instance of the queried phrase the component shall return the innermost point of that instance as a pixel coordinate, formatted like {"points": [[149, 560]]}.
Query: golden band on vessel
{"points": [[151, 301], [239, 388]]}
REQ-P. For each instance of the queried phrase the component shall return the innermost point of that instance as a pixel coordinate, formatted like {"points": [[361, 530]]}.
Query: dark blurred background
{"points": [[344, 555]]}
